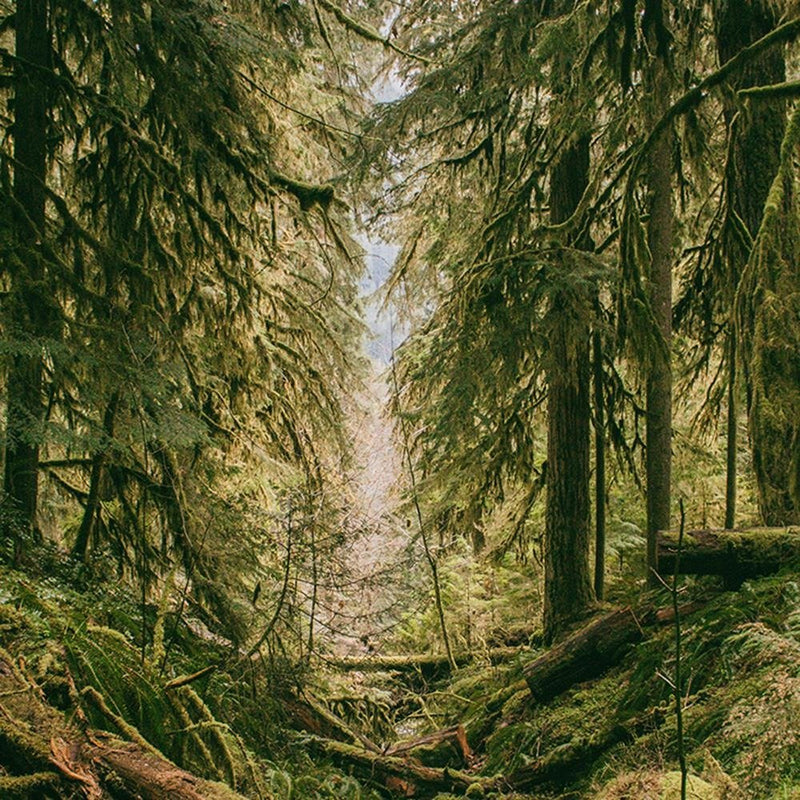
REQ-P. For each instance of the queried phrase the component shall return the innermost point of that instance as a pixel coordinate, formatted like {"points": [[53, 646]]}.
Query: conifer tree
{"points": [[196, 261]]}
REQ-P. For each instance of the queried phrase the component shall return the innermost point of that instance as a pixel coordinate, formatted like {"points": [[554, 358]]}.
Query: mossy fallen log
{"points": [[45, 756], [427, 665], [735, 556], [437, 748], [404, 776], [145, 774], [310, 715], [585, 654]]}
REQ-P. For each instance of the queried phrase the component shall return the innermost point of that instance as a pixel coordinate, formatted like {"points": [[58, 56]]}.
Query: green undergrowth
{"points": [[83, 647], [617, 734], [741, 666]]}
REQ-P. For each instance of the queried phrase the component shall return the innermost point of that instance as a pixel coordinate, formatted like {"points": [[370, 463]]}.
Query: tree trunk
{"points": [[659, 235], [756, 138], [81, 548], [28, 301], [732, 438], [733, 555], [568, 584], [600, 470]]}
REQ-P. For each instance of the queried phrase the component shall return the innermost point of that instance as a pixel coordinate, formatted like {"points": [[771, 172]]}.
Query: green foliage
{"points": [[204, 289]]}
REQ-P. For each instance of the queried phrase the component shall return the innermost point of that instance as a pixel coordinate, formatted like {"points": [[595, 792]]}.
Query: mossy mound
{"points": [[659, 786]]}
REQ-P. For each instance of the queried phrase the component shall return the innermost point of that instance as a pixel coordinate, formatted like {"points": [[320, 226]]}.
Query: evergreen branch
{"points": [[781, 35], [283, 104], [367, 31], [308, 194]]}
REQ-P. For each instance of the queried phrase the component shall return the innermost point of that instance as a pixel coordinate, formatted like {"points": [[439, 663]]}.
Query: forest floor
{"points": [[84, 714]]}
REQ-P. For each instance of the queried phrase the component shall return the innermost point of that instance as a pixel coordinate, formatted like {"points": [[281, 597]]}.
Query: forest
{"points": [[399, 399]]}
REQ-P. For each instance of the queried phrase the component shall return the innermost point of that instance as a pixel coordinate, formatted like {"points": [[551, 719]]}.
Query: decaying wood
{"points": [[404, 776], [584, 654], [312, 716], [38, 749], [733, 555], [455, 733], [149, 776], [427, 665]]}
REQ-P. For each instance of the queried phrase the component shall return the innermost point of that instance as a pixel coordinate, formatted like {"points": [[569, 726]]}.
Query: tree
{"points": [[28, 305], [568, 587], [205, 296], [756, 133], [660, 244], [496, 134]]}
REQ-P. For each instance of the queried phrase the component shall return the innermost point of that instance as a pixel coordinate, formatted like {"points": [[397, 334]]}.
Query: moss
{"points": [[21, 749], [27, 786], [656, 784]]}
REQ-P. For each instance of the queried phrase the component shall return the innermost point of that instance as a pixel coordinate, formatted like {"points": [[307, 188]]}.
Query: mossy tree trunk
{"points": [[28, 300], [568, 584], [756, 135]]}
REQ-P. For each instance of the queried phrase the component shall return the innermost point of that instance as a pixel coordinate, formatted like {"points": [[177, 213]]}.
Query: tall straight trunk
{"points": [[568, 584], [756, 138], [600, 469], [660, 235], [732, 438], [28, 315]]}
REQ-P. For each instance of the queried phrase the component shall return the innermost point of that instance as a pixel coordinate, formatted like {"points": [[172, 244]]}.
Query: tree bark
{"points": [[28, 300], [568, 583], [659, 235], [732, 438], [585, 654], [756, 137], [600, 470]]}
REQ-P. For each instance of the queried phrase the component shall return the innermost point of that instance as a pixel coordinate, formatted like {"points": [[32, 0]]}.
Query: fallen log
{"points": [[41, 753], [147, 775], [310, 715], [585, 654], [430, 743], [425, 664], [733, 555], [404, 776]]}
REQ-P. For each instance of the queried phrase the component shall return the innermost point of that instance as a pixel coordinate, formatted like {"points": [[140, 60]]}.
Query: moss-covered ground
{"points": [[612, 737]]}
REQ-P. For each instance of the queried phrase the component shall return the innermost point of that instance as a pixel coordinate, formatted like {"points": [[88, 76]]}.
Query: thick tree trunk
{"points": [[568, 583], [28, 301], [659, 379], [756, 138]]}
